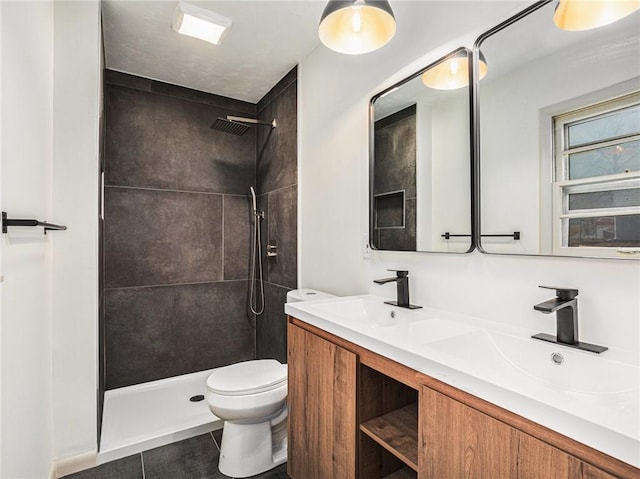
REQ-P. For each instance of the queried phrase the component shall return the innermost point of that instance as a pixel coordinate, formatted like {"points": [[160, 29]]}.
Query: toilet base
{"points": [[249, 449]]}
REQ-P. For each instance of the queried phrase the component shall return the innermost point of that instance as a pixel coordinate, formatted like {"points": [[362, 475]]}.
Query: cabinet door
{"points": [[458, 441], [322, 408]]}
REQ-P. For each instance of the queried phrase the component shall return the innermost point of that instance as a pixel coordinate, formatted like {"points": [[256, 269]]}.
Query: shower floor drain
{"points": [[197, 398]]}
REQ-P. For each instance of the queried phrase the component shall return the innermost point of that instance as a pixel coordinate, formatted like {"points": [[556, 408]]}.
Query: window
{"points": [[596, 200]]}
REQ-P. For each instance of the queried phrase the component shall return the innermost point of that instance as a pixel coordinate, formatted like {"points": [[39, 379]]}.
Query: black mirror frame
{"points": [[475, 118], [472, 168]]}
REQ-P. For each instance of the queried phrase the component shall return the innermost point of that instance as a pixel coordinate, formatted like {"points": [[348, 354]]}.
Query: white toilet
{"points": [[251, 399]]}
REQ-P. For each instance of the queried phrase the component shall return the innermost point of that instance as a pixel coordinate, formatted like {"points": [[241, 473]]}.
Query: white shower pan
{"points": [[143, 416]]}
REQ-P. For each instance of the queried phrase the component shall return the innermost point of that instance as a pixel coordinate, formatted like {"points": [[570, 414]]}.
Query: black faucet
{"points": [[402, 281], [565, 305]]}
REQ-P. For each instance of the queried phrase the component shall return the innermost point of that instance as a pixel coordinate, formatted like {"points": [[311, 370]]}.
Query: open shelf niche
{"points": [[388, 424]]}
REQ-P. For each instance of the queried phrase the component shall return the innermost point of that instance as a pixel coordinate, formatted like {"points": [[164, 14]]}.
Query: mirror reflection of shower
{"points": [[256, 283]]}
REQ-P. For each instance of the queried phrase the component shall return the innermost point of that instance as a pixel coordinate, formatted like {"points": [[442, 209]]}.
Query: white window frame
{"points": [[563, 187]]}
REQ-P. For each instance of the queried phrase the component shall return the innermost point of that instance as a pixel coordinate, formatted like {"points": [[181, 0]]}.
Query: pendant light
{"points": [[356, 26], [453, 73], [575, 15]]}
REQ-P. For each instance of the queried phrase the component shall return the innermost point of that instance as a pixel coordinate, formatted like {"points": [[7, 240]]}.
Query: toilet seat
{"points": [[248, 377]]}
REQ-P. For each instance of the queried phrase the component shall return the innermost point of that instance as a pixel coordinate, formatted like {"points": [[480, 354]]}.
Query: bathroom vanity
{"points": [[362, 406]]}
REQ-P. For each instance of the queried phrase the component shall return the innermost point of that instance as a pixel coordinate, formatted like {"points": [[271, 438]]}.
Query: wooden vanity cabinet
{"points": [[459, 441], [346, 418], [355, 414], [322, 407]]}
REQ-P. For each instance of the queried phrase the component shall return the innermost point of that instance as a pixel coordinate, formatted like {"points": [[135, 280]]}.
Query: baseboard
{"points": [[70, 465]]}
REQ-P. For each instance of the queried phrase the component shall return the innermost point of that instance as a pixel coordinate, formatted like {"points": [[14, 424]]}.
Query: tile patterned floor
{"points": [[194, 458]]}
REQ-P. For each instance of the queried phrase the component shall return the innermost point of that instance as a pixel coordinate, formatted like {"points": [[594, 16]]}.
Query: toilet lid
{"points": [[248, 377]]}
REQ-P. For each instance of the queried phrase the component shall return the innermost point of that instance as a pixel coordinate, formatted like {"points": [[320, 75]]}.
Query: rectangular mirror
{"points": [[558, 129], [420, 161]]}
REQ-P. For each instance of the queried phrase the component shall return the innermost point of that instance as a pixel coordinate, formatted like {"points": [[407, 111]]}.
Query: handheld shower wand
{"points": [[256, 305], [253, 199]]}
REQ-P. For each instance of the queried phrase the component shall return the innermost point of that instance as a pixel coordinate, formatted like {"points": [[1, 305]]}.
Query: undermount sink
{"points": [[557, 367]]}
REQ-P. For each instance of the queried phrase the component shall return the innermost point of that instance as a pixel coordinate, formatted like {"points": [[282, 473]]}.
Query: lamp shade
{"points": [[575, 15], [356, 26], [452, 73]]}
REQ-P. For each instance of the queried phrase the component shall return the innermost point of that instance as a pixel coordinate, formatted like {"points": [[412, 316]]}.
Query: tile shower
{"points": [[277, 184], [177, 229], [395, 181]]}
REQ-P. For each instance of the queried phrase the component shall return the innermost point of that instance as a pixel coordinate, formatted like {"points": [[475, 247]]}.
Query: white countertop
{"points": [[603, 414]]}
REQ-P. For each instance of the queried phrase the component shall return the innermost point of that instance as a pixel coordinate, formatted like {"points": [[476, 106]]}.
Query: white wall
{"points": [[76, 110], [451, 197], [424, 178], [50, 85], [1, 246], [334, 94], [442, 172], [26, 126]]}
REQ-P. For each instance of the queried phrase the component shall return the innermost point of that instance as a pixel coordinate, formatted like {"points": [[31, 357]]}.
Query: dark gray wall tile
{"points": [[271, 326], [161, 237], [282, 227], [216, 330], [126, 468], [154, 333], [194, 458], [278, 88], [231, 104], [390, 210], [277, 150], [263, 205], [158, 141], [238, 236], [158, 137], [112, 77], [277, 178], [395, 169], [395, 157], [402, 239]]}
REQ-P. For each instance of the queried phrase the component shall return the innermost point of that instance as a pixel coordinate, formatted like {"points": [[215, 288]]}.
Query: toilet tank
{"points": [[306, 294]]}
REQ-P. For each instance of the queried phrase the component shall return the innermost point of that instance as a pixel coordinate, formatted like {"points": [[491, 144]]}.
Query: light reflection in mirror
{"points": [[420, 165]]}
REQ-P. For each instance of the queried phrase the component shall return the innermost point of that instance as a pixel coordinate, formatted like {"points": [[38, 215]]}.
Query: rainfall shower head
{"points": [[227, 126], [237, 125]]}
